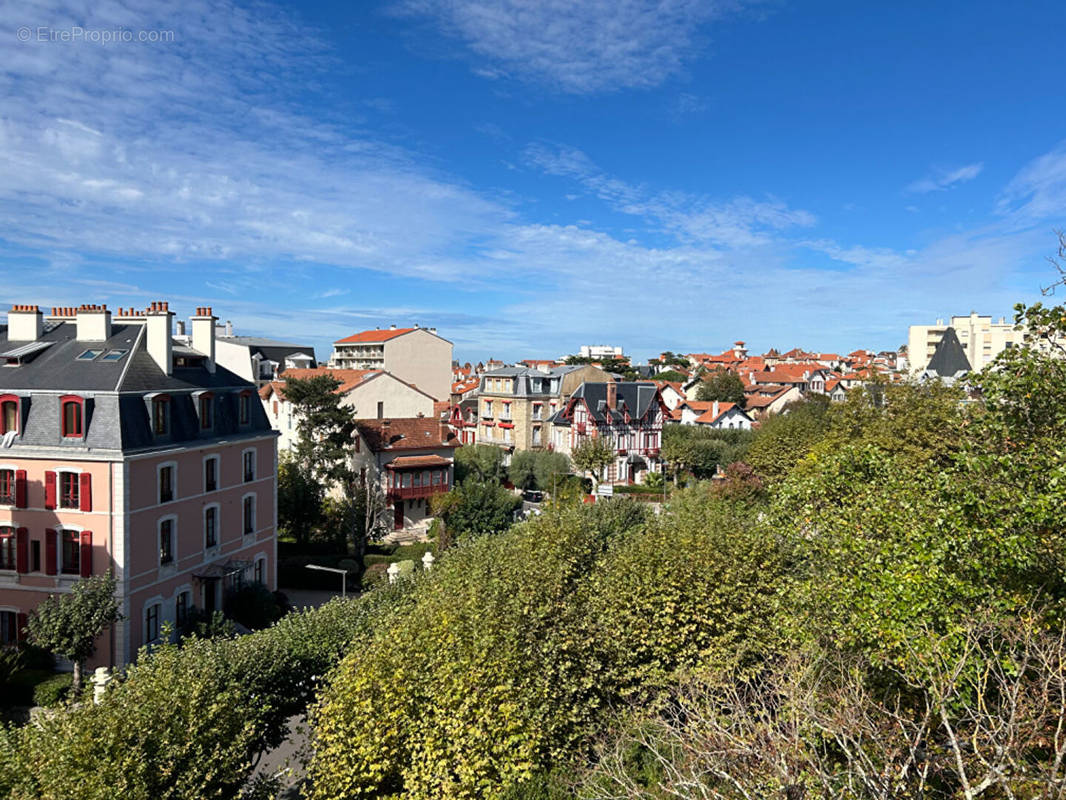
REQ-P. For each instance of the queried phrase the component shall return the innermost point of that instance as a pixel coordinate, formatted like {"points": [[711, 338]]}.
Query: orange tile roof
{"points": [[349, 378], [380, 335], [406, 433], [708, 416]]}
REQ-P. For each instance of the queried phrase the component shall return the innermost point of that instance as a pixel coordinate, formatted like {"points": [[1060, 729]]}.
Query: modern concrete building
{"points": [[981, 339], [601, 352], [415, 355], [124, 450]]}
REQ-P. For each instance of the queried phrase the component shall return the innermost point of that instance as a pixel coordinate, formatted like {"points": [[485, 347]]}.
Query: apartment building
{"points": [[259, 359], [981, 339], [415, 355], [124, 450], [516, 403], [601, 352], [628, 415]]}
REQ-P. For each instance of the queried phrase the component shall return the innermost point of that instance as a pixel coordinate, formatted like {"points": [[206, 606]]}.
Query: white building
{"points": [[980, 337], [415, 355], [600, 352]]}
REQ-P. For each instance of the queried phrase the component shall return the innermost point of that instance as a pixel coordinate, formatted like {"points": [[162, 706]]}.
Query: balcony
{"points": [[415, 492]]}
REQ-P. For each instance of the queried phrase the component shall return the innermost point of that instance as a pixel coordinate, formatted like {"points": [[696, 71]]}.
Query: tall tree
{"points": [[299, 499], [325, 428], [592, 456], [724, 386], [69, 624], [481, 462]]}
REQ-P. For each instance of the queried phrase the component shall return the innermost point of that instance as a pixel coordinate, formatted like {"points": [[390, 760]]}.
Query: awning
{"points": [[417, 462], [221, 569]]}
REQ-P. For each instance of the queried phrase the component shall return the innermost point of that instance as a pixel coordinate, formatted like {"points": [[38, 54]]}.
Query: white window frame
{"points": [[173, 482], [153, 602], [60, 529], [244, 453], [218, 528], [218, 473], [255, 522]]}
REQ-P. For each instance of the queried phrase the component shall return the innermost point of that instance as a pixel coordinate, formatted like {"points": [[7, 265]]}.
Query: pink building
{"points": [[124, 450]]}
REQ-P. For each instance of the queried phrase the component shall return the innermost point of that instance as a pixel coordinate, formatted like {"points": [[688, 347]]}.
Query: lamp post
{"points": [[336, 570]]}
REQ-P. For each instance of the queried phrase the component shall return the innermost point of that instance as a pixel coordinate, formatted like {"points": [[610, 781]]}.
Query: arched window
{"points": [[9, 414], [73, 411]]}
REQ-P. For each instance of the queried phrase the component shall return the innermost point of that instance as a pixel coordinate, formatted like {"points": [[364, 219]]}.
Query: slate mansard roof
{"points": [[949, 359], [636, 397], [118, 393]]}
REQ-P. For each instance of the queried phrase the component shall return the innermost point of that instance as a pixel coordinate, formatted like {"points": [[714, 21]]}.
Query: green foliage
{"points": [[537, 469], [476, 507], [479, 462], [69, 624], [325, 428], [10, 662], [672, 375], [722, 385], [517, 646], [300, 498], [53, 691], [592, 455], [785, 438], [700, 450], [253, 606], [187, 722]]}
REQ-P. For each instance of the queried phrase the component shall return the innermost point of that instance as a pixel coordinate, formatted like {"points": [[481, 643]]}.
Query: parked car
{"points": [[533, 496]]}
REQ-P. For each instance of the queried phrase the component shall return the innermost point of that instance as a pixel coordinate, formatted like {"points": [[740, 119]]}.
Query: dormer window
{"points": [[244, 408], [161, 415], [9, 414], [73, 417], [205, 405]]}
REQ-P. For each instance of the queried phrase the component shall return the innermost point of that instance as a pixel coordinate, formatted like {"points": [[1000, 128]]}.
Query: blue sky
{"points": [[531, 176]]}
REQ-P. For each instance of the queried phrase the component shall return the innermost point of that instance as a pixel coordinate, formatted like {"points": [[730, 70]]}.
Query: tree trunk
{"points": [[76, 684]]}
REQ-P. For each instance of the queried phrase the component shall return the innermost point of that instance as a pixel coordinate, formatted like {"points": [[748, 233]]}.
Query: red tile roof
{"points": [[708, 417], [349, 378], [375, 335], [418, 461], [406, 433]]}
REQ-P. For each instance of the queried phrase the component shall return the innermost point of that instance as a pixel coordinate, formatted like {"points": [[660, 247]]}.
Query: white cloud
{"points": [[1038, 191], [577, 47], [738, 222], [942, 179]]}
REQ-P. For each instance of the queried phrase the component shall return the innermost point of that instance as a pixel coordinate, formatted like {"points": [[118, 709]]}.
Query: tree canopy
{"points": [[325, 427], [722, 385]]}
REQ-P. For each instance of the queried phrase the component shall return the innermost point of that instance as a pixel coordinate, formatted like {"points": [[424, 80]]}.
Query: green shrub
{"points": [[53, 691], [253, 606], [187, 721]]}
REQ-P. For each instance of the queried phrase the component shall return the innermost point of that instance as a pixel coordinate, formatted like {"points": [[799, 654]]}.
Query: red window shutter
{"points": [[22, 550], [21, 621], [50, 552], [86, 555], [50, 491], [20, 488], [85, 493]]}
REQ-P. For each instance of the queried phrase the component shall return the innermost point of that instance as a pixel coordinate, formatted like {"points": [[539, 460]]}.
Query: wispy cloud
{"points": [[736, 222], [941, 179], [1038, 191], [576, 47]]}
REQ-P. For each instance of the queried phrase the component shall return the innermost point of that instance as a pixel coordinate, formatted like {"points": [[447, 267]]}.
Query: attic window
{"points": [[89, 355], [113, 355]]}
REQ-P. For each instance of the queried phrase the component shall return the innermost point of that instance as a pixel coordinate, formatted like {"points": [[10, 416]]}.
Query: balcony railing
{"points": [[414, 492]]}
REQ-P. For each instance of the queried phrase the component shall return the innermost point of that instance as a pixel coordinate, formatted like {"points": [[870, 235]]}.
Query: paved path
{"points": [[289, 759]]}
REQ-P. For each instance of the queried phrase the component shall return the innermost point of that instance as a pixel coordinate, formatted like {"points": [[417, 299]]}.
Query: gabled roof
{"points": [[349, 378], [709, 417], [949, 359], [406, 433], [636, 397]]}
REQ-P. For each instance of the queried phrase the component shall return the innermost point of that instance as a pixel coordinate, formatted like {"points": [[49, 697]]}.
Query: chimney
{"points": [[179, 327], [203, 334], [714, 410], [160, 347], [392, 327], [433, 330], [612, 395], [94, 323], [24, 323], [229, 327]]}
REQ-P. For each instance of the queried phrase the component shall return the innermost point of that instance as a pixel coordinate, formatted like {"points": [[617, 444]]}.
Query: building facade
{"points": [[627, 415], [515, 404], [415, 355], [124, 450], [412, 459], [981, 339]]}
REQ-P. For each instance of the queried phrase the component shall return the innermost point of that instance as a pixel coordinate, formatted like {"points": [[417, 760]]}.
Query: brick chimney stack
{"points": [[160, 346], [612, 395], [94, 323], [203, 334], [24, 323]]}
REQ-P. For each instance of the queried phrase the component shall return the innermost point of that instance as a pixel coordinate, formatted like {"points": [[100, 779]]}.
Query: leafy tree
{"points": [[69, 624], [325, 427], [699, 450], [480, 462], [549, 469], [522, 471], [724, 386], [672, 376], [476, 507], [300, 498], [785, 438], [592, 455]]}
